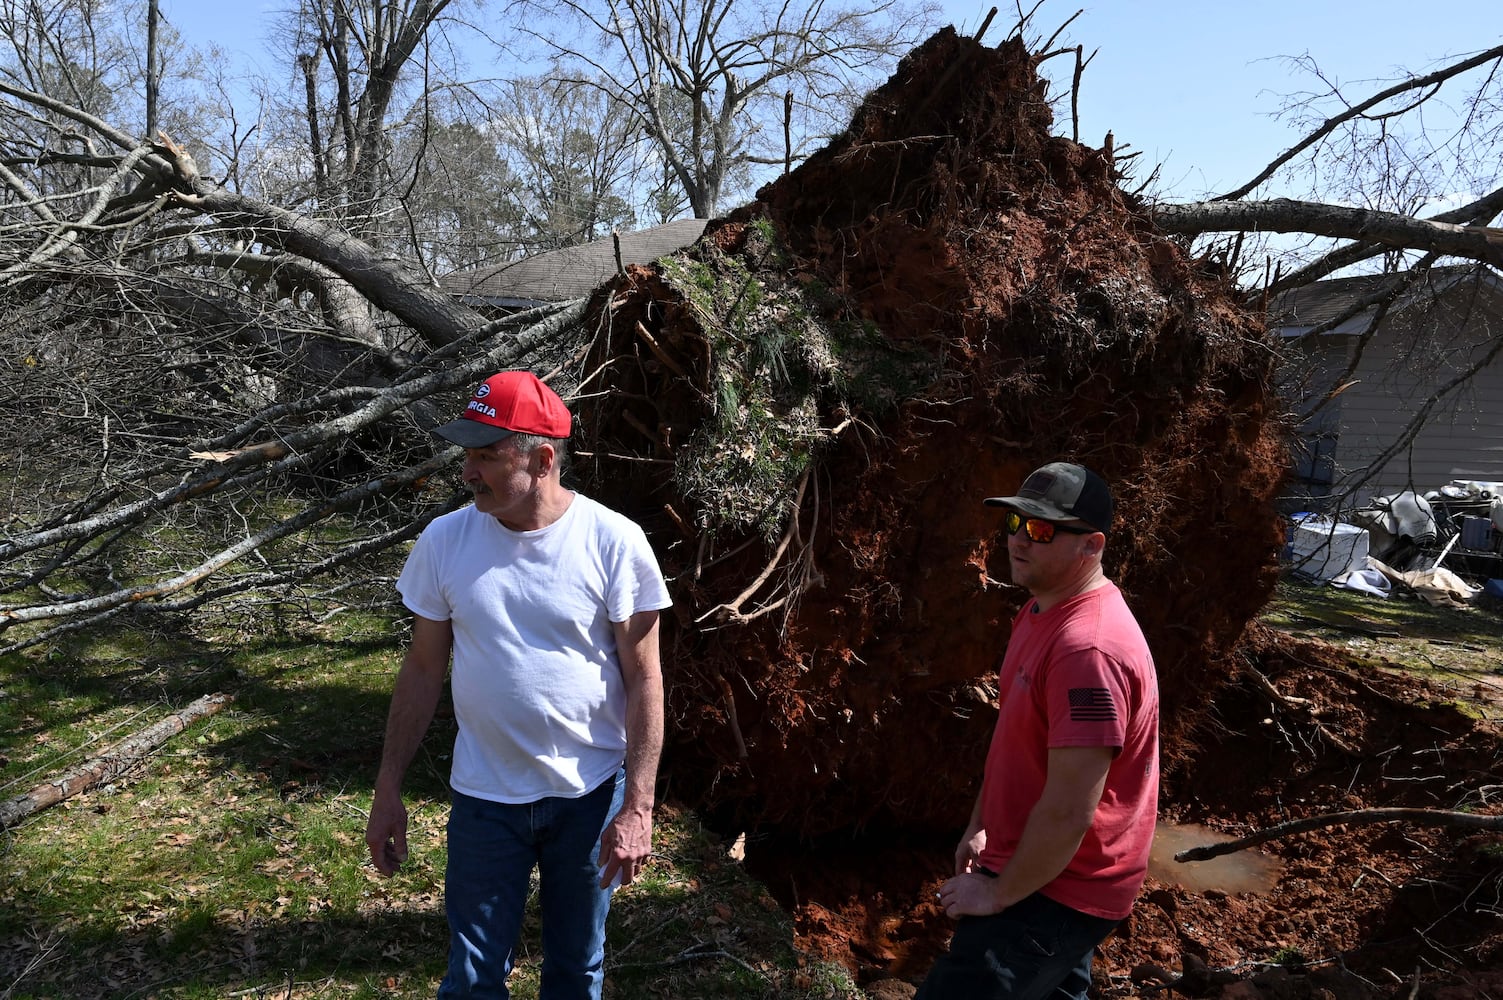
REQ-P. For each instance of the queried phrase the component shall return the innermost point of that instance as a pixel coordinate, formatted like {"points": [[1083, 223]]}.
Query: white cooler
{"points": [[1326, 549]]}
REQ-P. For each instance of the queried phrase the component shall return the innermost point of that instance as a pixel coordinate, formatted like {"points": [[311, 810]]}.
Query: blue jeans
{"points": [[493, 848], [1036, 949]]}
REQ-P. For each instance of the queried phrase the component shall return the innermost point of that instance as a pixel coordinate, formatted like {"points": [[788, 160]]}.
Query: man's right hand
{"points": [[386, 833], [968, 854]]}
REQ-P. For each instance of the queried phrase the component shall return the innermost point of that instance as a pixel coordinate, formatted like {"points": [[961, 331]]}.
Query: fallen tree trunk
{"points": [[1285, 215], [111, 764]]}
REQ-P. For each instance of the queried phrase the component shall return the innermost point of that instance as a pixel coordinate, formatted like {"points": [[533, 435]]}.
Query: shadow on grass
{"points": [[306, 709], [200, 952], [1298, 602], [234, 861]]}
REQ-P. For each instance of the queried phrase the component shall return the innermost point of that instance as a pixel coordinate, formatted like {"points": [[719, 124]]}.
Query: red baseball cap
{"points": [[508, 403]]}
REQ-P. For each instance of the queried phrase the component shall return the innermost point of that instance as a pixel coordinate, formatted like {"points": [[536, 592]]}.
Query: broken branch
{"points": [[1358, 817], [659, 353], [110, 764]]}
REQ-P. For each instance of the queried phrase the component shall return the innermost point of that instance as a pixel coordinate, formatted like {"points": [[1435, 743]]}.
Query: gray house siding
{"points": [[1460, 437], [1422, 347]]}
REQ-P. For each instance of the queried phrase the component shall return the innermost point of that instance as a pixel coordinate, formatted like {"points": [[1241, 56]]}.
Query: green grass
{"points": [[1451, 647], [1289, 957], [233, 860]]}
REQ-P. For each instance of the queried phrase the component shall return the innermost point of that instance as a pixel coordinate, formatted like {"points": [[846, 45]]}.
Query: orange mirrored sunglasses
{"points": [[1038, 529]]}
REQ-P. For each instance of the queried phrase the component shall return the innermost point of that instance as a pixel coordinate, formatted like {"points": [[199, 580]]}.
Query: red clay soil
{"points": [[1360, 912], [844, 729]]}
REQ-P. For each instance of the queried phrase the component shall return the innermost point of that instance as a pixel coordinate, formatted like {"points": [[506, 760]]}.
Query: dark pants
{"points": [[1035, 950]]}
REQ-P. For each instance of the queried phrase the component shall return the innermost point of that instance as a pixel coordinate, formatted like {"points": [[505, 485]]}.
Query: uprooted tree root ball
{"points": [[805, 410]]}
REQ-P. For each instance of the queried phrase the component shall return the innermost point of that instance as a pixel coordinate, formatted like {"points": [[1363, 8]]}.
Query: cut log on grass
{"points": [[1358, 817], [111, 764]]}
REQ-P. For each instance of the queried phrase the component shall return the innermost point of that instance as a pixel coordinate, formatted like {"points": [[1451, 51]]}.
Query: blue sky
{"points": [[1193, 85]]}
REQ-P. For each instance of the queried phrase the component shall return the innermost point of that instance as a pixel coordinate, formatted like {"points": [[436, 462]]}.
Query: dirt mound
{"points": [[1390, 903], [806, 409], [1359, 912]]}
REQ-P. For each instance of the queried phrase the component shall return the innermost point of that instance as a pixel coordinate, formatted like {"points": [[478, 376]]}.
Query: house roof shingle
{"points": [[1322, 301], [572, 272]]}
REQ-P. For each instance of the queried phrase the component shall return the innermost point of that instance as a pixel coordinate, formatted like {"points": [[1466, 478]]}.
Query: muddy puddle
{"points": [[1248, 871]]}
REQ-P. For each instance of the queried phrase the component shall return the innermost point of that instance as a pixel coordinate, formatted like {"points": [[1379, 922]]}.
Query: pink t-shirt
{"points": [[1078, 675]]}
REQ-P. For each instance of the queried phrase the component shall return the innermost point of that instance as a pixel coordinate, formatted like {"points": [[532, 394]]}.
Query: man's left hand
{"points": [[625, 845], [970, 895]]}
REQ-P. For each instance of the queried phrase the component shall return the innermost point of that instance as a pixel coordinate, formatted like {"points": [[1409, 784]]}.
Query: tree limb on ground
{"points": [[111, 764], [1357, 817], [250, 464]]}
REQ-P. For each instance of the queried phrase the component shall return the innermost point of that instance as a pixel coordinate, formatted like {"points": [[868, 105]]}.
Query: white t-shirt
{"points": [[537, 684]]}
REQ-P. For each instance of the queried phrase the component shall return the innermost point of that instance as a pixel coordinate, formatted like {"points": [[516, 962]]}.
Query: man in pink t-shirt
{"points": [[1057, 846]]}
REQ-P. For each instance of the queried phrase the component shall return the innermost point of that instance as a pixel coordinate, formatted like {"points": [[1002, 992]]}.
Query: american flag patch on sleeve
{"points": [[1092, 705]]}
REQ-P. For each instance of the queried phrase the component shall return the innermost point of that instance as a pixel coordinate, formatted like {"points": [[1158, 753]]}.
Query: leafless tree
{"points": [[1368, 168], [354, 59], [706, 81], [209, 376], [464, 202], [67, 48], [576, 155]]}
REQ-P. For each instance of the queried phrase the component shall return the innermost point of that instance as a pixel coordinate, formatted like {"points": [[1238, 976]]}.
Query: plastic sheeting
{"points": [[1401, 515]]}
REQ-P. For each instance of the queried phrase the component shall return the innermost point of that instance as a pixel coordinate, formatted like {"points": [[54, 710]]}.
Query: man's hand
{"points": [[968, 854], [386, 833], [971, 895], [413, 699], [624, 845]]}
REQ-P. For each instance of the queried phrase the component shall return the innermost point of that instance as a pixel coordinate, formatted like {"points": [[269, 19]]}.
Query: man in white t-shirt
{"points": [[548, 604]]}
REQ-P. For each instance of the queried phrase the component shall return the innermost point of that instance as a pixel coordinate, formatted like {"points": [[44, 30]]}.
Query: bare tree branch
{"points": [[1479, 212], [1430, 80], [292, 451], [1284, 215], [1357, 817], [386, 282], [118, 760], [692, 74]]}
